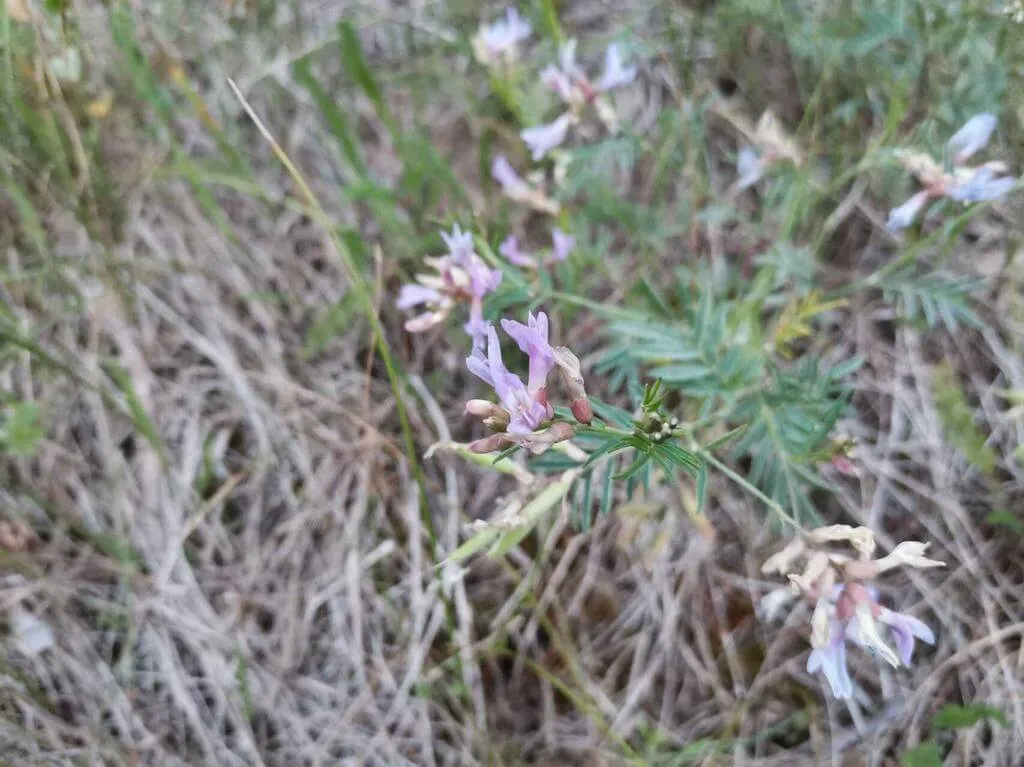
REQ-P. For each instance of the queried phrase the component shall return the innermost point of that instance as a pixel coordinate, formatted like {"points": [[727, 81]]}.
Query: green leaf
{"points": [[335, 118], [142, 420], [729, 436], [702, 488], [1003, 518], [549, 497], [952, 716], [477, 543], [958, 422], [21, 431], [924, 755], [354, 61]]}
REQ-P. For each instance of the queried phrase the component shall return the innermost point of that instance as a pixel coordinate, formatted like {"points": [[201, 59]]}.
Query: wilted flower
{"points": [[461, 276], [541, 139], [519, 190], [963, 184], [771, 145], [846, 607], [499, 42], [524, 408]]}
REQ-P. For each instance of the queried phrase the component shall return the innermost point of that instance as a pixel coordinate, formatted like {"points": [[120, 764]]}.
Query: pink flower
{"points": [[527, 410], [462, 277], [532, 339]]}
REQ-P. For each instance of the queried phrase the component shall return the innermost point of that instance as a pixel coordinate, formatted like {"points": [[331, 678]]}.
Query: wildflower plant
{"points": [[956, 180], [839, 584]]}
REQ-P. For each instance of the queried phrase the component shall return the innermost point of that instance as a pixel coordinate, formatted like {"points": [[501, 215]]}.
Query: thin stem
{"points": [[363, 293]]}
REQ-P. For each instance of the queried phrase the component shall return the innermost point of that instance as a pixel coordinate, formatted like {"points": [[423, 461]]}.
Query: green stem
{"points": [[363, 293]]}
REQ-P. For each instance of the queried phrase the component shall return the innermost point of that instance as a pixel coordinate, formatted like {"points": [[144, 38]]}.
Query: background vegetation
{"points": [[216, 546]]}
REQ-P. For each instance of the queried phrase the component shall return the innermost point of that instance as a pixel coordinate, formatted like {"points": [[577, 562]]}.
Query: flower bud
{"points": [[542, 441], [490, 444], [581, 410], [493, 415], [569, 364]]}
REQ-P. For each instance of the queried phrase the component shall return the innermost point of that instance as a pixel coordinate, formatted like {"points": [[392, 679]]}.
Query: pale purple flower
{"points": [[558, 81], [510, 250], [500, 39], [528, 411], [983, 186], [750, 167], [415, 294], [511, 183], [973, 136], [562, 244], [904, 215], [532, 339], [855, 615], [462, 276], [615, 73], [541, 139], [904, 629], [831, 660], [460, 245]]}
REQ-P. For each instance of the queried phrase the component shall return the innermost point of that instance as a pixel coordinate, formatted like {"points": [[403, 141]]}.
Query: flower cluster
{"points": [[498, 43], [577, 91], [461, 276], [963, 183], [846, 605], [524, 414]]}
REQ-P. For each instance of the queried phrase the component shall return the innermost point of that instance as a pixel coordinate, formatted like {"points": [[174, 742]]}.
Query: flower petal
{"points": [[541, 139], [983, 186], [904, 215], [974, 135], [615, 74], [750, 167], [510, 250], [415, 294], [562, 244]]}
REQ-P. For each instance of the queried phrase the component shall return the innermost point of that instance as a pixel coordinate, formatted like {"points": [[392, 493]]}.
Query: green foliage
{"points": [[952, 716], [958, 421], [924, 754], [21, 430], [934, 297]]}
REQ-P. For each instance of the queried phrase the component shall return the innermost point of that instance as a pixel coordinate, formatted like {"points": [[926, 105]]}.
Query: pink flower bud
{"points": [[582, 411]]}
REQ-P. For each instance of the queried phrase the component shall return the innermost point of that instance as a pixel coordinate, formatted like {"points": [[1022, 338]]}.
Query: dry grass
{"points": [[262, 593]]}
